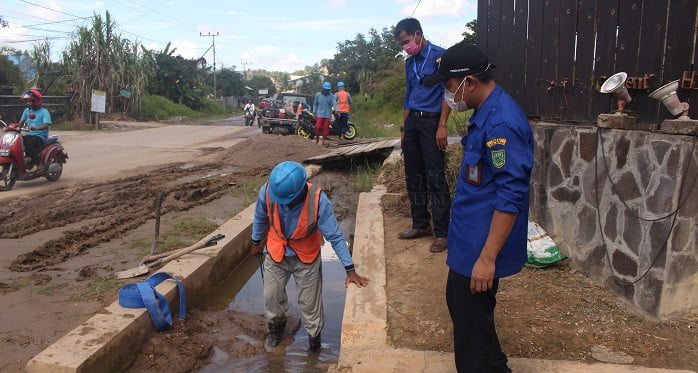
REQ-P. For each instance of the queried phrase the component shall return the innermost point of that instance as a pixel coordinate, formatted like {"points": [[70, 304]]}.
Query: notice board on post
{"points": [[98, 104]]}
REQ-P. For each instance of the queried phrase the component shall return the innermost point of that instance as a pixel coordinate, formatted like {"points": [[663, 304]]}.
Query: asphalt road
{"points": [[134, 146]]}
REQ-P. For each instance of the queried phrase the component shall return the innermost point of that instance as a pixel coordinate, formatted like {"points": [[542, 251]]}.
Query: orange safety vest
{"points": [[306, 239], [343, 101]]}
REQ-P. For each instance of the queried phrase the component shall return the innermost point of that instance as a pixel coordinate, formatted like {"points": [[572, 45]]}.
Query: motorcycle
{"points": [[13, 160], [249, 117], [306, 127]]}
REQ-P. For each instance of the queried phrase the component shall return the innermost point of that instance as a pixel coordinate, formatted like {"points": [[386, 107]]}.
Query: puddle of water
{"points": [[245, 288]]}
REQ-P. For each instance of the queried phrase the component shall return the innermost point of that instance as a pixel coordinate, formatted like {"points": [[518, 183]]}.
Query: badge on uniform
{"points": [[499, 158], [474, 174]]}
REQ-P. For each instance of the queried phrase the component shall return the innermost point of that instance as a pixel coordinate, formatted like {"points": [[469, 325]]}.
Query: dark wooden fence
{"points": [[11, 107], [552, 55]]}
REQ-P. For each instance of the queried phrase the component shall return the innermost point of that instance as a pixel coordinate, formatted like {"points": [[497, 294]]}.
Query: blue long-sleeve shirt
{"points": [[41, 117], [327, 224], [323, 104], [417, 95], [494, 175]]}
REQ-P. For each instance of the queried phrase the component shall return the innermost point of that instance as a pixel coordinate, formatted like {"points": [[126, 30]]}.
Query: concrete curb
{"points": [[109, 340], [365, 346]]}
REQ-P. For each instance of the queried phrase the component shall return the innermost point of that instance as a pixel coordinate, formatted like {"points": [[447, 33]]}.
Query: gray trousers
{"points": [[308, 279]]}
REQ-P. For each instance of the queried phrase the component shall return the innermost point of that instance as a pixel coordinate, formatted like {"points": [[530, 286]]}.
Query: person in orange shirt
{"points": [[344, 103], [294, 216]]}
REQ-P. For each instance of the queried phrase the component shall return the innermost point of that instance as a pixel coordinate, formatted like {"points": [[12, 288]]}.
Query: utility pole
{"points": [[244, 70], [213, 45]]}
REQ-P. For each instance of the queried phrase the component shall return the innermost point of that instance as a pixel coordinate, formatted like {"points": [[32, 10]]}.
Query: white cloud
{"points": [[434, 8], [337, 4], [186, 49]]}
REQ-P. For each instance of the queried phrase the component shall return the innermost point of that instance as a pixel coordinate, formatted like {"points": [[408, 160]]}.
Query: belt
{"points": [[143, 294], [424, 114]]}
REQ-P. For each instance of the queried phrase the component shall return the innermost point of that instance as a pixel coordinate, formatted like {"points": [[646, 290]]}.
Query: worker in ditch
{"points": [[488, 230], [294, 216]]}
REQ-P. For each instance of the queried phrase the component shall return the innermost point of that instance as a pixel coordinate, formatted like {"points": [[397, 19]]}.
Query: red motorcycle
{"points": [[13, 161]]}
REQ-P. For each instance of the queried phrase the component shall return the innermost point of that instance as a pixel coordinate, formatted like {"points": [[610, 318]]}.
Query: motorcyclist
{"points": [[250, 111], [38, 120]]}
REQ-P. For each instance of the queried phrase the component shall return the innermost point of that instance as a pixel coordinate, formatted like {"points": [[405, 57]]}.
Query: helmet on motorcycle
{"points": [[340, 84], [33, 94], [326, 85], [286, 182]]}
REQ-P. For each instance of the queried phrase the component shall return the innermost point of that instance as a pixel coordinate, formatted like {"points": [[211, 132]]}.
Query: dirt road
{"points": [[132, 147], [61, 242]]}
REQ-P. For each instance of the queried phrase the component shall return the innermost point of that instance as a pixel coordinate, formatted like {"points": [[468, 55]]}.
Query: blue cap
{"points": [[286, 182], [326, 85], [340, 84]]}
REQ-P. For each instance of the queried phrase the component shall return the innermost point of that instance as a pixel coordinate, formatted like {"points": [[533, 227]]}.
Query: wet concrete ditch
{"points": [[225, 330]]}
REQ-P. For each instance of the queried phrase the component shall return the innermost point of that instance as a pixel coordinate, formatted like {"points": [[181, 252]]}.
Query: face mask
{"points": [[412, 48], [450, 99]]}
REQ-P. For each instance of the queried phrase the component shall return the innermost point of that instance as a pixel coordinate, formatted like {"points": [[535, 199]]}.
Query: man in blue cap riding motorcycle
{"points": [[295, 215]]}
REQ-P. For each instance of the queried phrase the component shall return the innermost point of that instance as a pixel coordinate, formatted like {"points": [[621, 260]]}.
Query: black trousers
{"points": [[475, 341], [425, 175], [341, 122], [33, 146]]}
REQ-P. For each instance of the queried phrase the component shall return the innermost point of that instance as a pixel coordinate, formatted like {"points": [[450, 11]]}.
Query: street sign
{"points": [[99, 101], [263, 91], [125, 93]]}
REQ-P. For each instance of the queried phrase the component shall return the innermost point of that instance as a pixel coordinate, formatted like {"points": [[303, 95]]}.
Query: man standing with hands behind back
{"points": [[424, 137], [488, 231]]}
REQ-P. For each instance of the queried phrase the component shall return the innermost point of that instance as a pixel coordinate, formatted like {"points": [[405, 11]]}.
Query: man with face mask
{"points": [[424, 138], [487, 234]]}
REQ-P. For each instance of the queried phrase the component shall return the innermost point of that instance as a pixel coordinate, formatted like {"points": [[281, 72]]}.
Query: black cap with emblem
{"points": [[460, 60]]}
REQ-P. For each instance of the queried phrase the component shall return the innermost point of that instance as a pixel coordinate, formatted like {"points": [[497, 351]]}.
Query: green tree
{"points": [[229, 82], [10, 76], [470, 34], [177, 78], [258, 82], [357, 61]]}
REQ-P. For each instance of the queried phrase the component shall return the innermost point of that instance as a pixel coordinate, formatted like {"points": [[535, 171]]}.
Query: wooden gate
{"points": [[552, 55]]}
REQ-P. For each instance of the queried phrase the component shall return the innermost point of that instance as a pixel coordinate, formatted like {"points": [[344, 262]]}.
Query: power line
{"points": [[50, 23], [415, 8], [53, 10]]}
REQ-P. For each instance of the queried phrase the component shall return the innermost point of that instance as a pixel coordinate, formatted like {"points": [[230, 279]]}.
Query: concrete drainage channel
{"points": [[110, 340]]}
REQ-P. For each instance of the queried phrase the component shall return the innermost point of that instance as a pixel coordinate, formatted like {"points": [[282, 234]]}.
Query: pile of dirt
{"points": [[554, 313]]}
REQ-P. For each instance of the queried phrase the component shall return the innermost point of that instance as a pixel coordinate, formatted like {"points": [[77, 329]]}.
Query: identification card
{"points": [[474, 174]]}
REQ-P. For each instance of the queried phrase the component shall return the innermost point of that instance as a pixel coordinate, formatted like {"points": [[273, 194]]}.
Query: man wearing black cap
{"points": [[487, 233], [424, 137]]}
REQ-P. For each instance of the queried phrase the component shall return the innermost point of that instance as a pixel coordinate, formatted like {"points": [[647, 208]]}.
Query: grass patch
{"points": [[50, 290], [98, 286], [6, 288], [194, 226], [366, 174], [182, 233], [247, 191]]}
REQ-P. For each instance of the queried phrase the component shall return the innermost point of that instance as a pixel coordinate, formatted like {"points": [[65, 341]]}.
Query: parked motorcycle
{"points": [[306, 127], [13, 160]]}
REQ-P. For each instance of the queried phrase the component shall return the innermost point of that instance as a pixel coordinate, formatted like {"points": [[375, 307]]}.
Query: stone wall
{"points": [[646, 249]]}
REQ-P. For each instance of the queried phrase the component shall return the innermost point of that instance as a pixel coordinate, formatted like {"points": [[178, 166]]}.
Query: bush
{"points": [[154, 107]]}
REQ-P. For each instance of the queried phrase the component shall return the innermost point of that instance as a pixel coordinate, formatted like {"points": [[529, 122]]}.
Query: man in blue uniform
{"points": [[424, 137], [487, 233]]}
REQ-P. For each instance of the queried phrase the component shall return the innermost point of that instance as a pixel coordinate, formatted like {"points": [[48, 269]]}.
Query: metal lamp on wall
{"points": [[667, 95], [615, 85]]}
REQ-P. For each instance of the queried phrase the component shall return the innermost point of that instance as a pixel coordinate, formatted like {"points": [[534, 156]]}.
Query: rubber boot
{"points": [[314, 343], [276, 332]]}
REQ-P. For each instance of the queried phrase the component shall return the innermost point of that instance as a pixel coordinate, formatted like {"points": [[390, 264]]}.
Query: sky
{"points": [[273, 35]]}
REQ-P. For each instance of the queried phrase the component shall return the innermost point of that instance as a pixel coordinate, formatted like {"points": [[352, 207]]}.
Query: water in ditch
{"points": [[294, 357]]}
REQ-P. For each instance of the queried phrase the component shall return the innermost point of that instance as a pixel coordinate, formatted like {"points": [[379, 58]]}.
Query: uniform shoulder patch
{"points": [[499, 158], [497, 141]]}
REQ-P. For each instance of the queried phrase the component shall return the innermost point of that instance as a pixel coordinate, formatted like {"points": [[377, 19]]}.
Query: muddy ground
{"points": [[554, 313], [69, 242]]}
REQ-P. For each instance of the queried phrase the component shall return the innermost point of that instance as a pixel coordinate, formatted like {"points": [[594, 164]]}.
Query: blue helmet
{"points": [[340, 84], [286, 182], [326, 85]]}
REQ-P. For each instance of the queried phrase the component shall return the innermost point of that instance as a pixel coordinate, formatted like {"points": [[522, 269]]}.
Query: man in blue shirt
{"points": [[38, 119], [294, 216], [323, 104], [487, 234], [424, 137]]}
